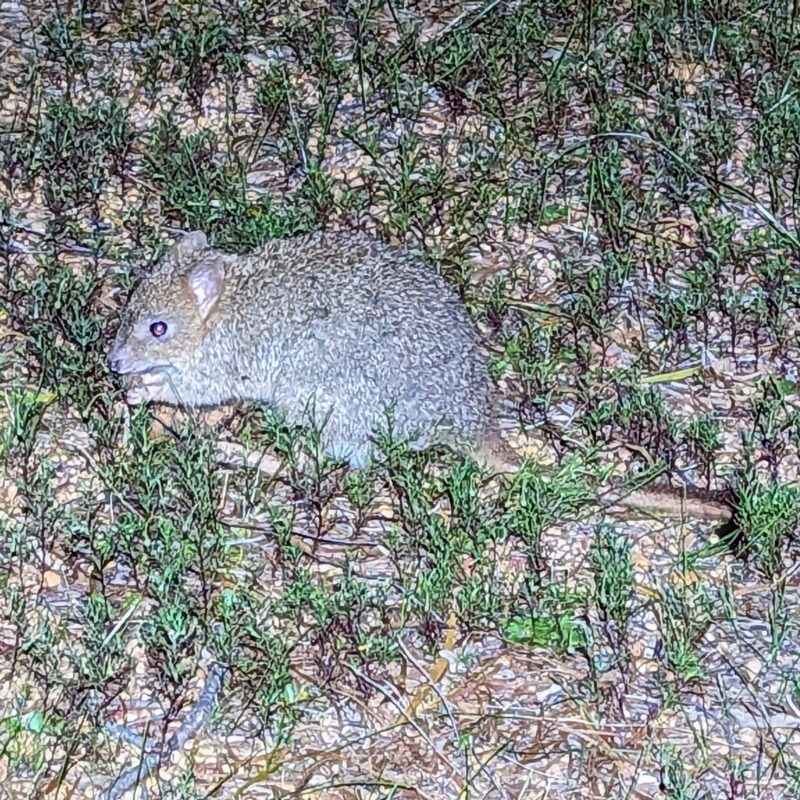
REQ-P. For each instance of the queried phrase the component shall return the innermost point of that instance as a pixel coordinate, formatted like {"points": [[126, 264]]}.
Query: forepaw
{"points": [[147, 387]]}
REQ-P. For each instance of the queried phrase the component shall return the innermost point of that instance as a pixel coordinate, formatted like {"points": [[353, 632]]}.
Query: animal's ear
{"points": [[205, 284], [191, 243], [184, 251]]}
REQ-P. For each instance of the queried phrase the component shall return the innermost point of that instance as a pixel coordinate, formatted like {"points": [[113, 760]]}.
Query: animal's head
{"points": [[167, 315]]}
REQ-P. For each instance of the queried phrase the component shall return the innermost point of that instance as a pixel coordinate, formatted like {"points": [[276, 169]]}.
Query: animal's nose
{"points": [[115, 361]]}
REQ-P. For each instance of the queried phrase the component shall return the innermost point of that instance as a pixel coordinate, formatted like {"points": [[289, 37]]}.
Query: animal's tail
{"points": [[490, 450], [713, 506]]}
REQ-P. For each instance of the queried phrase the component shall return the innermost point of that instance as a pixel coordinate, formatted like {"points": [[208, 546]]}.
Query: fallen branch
{"points": [[195, 720]]}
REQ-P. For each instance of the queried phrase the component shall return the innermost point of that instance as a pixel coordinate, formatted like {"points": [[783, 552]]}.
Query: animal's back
{"points": [[356, 325], [342, 278]]}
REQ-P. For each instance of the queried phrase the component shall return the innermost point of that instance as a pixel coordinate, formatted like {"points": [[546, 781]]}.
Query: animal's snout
{"points": [[116, 361]]}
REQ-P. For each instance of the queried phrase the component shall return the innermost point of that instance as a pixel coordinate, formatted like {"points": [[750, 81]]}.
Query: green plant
{"points": [[74, 149], [684, 616], [612, 569]]}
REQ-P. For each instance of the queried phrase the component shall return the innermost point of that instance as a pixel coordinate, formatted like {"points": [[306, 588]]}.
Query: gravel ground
{"points": [[483, 717]]}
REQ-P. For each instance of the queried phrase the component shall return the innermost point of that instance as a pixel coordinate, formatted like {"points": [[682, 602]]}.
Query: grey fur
{"points": [[343, 322]]}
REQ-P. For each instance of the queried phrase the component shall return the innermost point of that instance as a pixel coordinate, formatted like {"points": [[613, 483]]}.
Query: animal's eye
{"points": [[158, 329]]}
